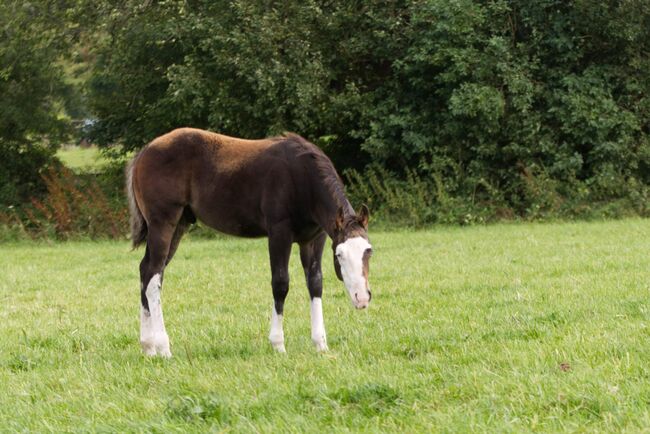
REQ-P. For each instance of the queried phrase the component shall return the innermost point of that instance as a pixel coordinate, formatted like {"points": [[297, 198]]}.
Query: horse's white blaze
{"points": [[350, 257], [276, 336], [153, 337]]}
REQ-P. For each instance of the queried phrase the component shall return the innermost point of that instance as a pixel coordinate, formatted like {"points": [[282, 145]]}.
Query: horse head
{"points": [[352, 252]]}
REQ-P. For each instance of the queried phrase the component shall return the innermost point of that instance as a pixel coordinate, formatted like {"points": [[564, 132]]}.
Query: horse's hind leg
{"points": [[153, 336], [184, 223]]}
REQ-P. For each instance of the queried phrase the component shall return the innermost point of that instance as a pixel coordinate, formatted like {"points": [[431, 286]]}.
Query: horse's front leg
{"points": [[279, 250], [310, 256]]}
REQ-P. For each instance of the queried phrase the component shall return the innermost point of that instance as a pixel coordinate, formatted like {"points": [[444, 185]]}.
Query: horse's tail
{"points": [[138, 224]]}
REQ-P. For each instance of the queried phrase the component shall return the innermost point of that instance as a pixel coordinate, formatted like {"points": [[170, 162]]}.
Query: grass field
{"points": [[81, 159], [506, 328]]}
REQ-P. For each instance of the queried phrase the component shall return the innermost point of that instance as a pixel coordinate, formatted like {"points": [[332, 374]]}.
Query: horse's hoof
{"points": [[157, 345], [279, 348], [320, 342], [152, 351], [162, 345], [165, 353], [148, 349]]}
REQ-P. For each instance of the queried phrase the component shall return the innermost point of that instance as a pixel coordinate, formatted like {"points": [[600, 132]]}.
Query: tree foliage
{"points": [[245, 68], [33, 121], [510, 101], [514, 103], [497, 107]]}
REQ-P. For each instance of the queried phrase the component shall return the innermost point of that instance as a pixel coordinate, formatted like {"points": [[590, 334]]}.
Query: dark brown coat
{"points": [[284, 188]]}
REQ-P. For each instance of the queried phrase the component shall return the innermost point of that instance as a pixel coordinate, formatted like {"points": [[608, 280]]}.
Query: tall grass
{"points": [[419, 198], [415, 201]]}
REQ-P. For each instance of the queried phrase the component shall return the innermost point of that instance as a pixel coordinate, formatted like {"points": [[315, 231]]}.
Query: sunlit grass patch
{"points": [[82, 159]]}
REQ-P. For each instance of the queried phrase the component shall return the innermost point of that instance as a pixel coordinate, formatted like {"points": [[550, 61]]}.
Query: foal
{"points": [[284, 188]]}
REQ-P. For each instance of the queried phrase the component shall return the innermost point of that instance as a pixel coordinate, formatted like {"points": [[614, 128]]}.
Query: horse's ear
{"points": [[363, 216], [340, 219]]}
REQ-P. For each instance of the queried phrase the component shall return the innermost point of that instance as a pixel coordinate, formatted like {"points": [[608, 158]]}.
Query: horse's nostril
{"points": [[356, 297]]}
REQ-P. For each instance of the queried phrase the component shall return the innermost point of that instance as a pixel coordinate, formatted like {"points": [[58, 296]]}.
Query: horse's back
{"points": [[221, 178], [191, 150], [218, 148]]}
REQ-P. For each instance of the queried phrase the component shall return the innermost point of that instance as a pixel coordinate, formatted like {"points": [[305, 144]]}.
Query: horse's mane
{"points": [[331, 179]]}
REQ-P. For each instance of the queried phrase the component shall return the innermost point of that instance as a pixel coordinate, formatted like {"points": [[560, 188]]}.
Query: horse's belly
{"points": [[241, 230], [227, 220]]}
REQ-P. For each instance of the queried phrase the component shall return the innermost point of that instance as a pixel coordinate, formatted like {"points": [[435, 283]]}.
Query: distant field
{"points": [[507, 328], [81, 159]]}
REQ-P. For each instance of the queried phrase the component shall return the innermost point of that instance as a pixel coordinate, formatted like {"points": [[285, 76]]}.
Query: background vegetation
{"points": [[435, 111]]}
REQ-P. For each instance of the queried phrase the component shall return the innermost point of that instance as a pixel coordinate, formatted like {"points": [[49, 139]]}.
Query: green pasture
{"points": [[81, 159], [506, 328]]}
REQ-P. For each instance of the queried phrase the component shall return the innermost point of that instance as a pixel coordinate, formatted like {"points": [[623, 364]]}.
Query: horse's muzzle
{"points": [[362, 302]]}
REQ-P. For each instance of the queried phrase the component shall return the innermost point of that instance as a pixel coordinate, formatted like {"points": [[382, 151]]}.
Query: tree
{"points": [[32, 113], [531, 107]]}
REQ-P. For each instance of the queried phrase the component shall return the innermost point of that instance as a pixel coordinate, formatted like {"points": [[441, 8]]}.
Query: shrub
{"points": [[520, 109], [21, 170], [72, 206], [426, 198]]}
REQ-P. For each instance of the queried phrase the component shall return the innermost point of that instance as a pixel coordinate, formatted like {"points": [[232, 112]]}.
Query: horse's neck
{"points": [[327, 205]]}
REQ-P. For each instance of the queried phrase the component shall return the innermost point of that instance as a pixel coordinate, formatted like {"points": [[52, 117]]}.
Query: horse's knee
{"points": [[315, 283], [315, 278], [280, 284]]}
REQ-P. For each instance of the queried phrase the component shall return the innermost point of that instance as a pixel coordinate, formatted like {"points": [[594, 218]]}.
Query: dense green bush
{"points": [[33, 119], [475, 110], [438, 111], [21, 168], [517, 99]]}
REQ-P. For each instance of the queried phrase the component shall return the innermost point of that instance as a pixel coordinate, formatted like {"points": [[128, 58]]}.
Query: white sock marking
{"points": [[153, 337], [276, 336], [317, 325], [146, 333]]}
